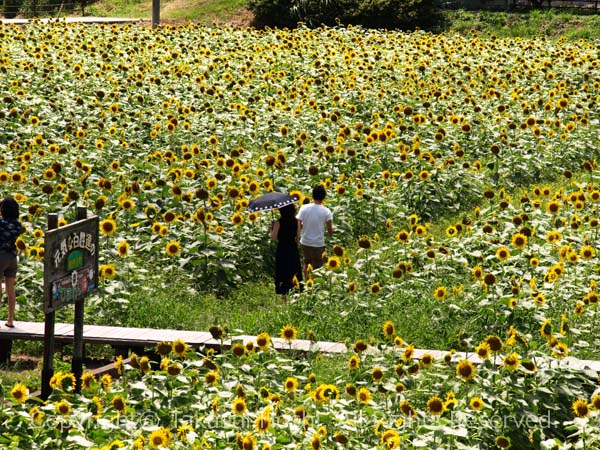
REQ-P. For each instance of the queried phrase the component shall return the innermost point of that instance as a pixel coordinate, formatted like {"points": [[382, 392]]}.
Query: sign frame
{"points": [[75, 246], [70, 263]]}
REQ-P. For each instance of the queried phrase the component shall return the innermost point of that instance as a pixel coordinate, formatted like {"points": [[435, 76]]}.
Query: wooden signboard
{"points": [[70, 263], [70, 274]]}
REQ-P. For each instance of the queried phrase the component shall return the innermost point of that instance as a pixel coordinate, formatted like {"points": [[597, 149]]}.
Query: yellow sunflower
{"points": [[389, 329], [333, 263], [580, 408], [107, 271], [263, 341], [289, 333], [118, 402], [173, 248], [35, 414], [180, 348], [212, 378], [465, 370], [291, 384], [511, 361], [587, 252], [476, 403], [483, 350], [108, 227], [123, 249], [159, 438], [354, 362], [262, 422], [364, 395], [435, 406], [63, 407], [20, 393], [440, 293], [238, 407], [503, 253], [409, 353], [546, 329]]}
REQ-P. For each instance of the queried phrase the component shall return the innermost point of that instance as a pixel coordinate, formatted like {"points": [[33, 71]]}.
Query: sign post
{"points": [[155, 13], [70, 274], [48, 364]]}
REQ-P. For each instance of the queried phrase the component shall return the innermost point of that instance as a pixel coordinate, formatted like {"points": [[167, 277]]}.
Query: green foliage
{"points": [[199, 398], [10, 8], [368, 13], [549, 23], [395, 14], [250, 307], [121, 8], [276, 13], [19, 372], [40, 8]]}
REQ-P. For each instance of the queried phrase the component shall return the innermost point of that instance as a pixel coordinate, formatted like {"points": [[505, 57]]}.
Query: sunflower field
{"points": [[462, 176]]}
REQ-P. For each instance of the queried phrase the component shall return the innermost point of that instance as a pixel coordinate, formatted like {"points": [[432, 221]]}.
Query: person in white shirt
{"points": [[313, 219]]}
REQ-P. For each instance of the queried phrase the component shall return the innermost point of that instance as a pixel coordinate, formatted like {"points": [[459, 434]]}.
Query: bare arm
{"points": [[329, 227], [298, 230], [274, 230]]}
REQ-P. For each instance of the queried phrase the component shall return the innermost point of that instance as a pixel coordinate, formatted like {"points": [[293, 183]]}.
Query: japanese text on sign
{"points": [[76, 240]]}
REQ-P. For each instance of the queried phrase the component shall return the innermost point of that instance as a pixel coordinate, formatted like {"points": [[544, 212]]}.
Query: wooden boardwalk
{"points": [[121, 337], [149, 337]]}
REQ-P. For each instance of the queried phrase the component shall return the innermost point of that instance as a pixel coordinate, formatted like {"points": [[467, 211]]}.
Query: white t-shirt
{"points": [[313, 218]]}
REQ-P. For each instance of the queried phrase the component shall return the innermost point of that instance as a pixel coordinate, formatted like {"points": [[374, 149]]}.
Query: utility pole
{"points": [[155, 13]]}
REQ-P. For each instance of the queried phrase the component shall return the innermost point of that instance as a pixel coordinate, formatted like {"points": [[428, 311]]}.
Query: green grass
{"points": [[217, 11], [121, 8], [254, 307], [571, 24], [244, 309], [198, 11]]}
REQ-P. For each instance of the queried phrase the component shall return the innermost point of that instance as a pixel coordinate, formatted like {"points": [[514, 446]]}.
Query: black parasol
{"points": [[271, 200]]}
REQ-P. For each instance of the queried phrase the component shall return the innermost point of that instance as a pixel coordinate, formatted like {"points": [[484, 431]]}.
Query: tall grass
{"points": [[198, 11], [568, 24], [120, 8]]}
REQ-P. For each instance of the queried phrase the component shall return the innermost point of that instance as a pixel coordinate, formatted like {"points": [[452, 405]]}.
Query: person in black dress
{"points": [[287, 256]]}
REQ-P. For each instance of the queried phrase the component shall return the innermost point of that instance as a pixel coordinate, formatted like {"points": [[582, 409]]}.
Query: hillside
{"points": [[571, 24], [209, 12]]}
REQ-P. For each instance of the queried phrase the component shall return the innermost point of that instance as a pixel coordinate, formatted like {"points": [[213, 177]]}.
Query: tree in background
{"points": [[391, 14], [41, 8]]}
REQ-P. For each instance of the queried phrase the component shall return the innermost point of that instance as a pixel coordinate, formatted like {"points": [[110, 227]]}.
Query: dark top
{"points": [[287, 257], [9, 232]]}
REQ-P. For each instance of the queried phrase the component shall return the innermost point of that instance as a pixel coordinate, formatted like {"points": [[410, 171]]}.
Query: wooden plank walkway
{"points": [[148, 337], [118, 20]]}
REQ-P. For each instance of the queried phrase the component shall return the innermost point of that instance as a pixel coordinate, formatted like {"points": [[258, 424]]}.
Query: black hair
{"points": [[9, 208], [318, 192], [288, 212]]}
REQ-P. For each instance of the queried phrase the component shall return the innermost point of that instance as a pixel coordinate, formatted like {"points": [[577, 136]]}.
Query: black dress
{"points": [[287, 257]]}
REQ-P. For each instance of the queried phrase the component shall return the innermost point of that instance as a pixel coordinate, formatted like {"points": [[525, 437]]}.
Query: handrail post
{"points": [[155, 13], [48, 363], [78, 350]]}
